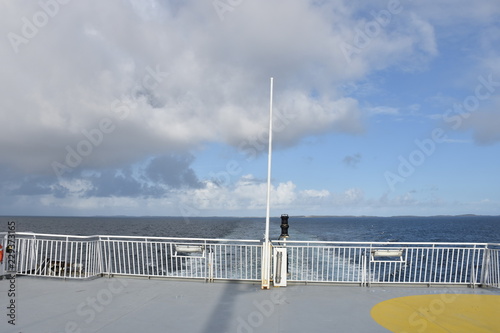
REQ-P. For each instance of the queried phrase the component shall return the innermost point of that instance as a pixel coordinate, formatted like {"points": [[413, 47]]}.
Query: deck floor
{"points": [[142, 305]]}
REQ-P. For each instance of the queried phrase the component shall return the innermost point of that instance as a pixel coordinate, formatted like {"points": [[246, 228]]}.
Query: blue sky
{"points": [[161, 107]]}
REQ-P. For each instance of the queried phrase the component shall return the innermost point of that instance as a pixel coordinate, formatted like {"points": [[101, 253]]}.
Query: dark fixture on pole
{"points": [[284, 226]]}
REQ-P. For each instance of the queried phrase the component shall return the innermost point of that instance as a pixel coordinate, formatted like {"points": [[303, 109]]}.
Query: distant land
{"points": [[246, 217]]}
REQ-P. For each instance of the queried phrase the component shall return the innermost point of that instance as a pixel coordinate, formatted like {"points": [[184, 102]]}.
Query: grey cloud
{"points": [[352, 161], [118, 183], [13, 183], [160, 176], [33, 186], [173, 171], [485, 126]]}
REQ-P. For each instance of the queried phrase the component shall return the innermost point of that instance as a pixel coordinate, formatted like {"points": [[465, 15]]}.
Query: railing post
{"points": [[34, 250], [109, 259], [368, 266], [210, 263], [363, 269], [485, 266], [473, 268], [100, 256], [66, 258], [266, 264]]}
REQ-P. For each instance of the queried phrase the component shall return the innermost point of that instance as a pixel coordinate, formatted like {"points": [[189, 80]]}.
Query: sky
{"points": [[161, 108]]}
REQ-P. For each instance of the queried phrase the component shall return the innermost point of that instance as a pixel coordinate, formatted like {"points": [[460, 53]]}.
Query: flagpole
{"points": [[269, 160], [266, 249]]}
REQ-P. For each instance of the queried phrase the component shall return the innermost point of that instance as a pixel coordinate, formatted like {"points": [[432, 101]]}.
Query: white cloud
{"points": [[315, 193], [191, 77], [457, 12], [388, 110], [247, 195]]}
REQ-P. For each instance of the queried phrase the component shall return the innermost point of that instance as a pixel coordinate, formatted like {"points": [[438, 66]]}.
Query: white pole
{"points": [[269, 159], [266, 247]]}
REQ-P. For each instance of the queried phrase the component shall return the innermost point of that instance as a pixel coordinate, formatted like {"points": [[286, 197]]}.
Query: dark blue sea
{"points": [[477, 229]]}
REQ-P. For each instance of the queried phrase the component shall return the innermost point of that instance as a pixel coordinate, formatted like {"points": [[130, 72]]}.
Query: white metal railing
{"points": [[364, 263], [491, 277], [378, 262], [66, 256], [60, 256], [181, 257], [316, 263]]}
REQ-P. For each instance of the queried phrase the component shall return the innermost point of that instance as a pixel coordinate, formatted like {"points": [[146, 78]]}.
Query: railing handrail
{"points": [[114, 237], [288, 242], [118, 237], [23, 233]]}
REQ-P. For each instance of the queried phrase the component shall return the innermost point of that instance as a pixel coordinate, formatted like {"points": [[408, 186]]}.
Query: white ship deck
{"points": [[142, 305]]}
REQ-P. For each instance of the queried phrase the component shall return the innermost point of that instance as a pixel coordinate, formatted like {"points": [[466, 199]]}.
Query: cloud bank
{"points": [[110, 99]]}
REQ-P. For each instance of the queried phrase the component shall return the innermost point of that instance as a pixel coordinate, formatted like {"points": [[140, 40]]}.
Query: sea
{"points": [[470, 228]]}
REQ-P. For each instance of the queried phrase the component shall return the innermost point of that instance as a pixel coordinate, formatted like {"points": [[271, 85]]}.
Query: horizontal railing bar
{"points": [[378, 243], [377, 248], [55, 235], [113, 237], [181, 239]]}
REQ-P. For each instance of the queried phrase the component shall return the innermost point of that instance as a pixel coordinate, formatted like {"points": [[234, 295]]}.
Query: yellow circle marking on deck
{"points": [[438, 313]]}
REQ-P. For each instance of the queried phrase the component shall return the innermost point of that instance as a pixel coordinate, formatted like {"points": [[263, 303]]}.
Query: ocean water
{"points": [[477, 229]]}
